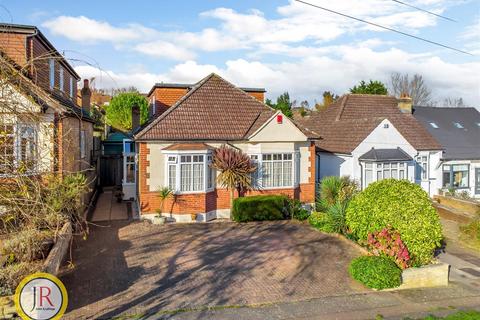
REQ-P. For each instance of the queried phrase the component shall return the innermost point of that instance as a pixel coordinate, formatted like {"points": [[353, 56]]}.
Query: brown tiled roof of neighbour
{"points": [[214, 109], [189, 146], [348, 121]]}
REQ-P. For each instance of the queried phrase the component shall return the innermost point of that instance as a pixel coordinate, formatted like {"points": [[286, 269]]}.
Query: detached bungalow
{"points": [[374, 137], [175, 149], [458, 131]]}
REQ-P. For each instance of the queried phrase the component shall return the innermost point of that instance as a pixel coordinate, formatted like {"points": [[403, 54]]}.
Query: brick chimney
{"points": [[135, 117], [86, 96], [405, 103]]}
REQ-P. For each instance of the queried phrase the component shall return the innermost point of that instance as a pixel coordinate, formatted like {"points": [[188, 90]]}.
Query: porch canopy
{"points": [[385, 155]]}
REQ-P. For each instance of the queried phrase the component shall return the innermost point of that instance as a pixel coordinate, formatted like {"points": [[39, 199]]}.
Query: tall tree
{"points": [[415, 87], [372, 87], [119, 111], [283, 104], [328, 99]]}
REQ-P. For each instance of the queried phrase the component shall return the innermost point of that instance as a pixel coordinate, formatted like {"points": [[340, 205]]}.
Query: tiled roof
{"points": [[348, 121], [214, 109], [188, 146]]}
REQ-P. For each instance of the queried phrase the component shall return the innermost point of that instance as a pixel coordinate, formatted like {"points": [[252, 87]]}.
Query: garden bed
{"points": [[470, 207]]}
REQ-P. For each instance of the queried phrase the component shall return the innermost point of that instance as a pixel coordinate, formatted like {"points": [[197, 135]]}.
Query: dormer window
{"points": [[434, 125], [458, 125]]}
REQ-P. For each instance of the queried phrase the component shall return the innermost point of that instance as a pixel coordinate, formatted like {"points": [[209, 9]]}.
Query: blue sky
{"points": [[279, 45]]}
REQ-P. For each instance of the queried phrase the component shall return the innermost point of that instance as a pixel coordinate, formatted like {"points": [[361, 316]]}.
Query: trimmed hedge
{"points": [[321, 221], [406, 208], [376, 272], [260, 208]]}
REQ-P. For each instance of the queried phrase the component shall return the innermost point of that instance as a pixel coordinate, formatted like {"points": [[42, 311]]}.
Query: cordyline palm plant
{"points": [[235, 169]]}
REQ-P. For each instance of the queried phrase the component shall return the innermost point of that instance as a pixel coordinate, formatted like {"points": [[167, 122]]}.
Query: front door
{"points": [[477, 180]]}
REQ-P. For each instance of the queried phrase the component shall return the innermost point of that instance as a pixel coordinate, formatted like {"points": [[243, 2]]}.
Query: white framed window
{"points": [[18, 147], [51, 66], [61, 79], [129, 169], [421, 168], [82, 144], [71, 87], [189, 172], [456, 176], [275, 170], [154, 105], [376, 171]]}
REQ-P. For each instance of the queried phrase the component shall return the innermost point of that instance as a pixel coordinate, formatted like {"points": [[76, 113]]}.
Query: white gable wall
{"points": [[384, 136], [281, 132]]}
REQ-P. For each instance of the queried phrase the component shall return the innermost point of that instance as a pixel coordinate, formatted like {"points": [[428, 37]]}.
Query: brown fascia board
{"points": [[33, 31]]}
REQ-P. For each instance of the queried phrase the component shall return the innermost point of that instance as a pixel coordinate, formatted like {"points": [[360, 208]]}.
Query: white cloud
{"points": [[308, 77], [82, 28], [164, 49]]}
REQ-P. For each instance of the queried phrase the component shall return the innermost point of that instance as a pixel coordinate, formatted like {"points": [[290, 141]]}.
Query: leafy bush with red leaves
{"points": [[388, 243]]}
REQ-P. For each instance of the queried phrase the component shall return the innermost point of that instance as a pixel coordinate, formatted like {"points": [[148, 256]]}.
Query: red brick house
{"points": [[45, 85], [175, 148]]}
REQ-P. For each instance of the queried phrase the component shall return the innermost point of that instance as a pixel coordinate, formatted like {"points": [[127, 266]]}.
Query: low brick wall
{"points": [[469, 207], [59, 251], [433, 275]]}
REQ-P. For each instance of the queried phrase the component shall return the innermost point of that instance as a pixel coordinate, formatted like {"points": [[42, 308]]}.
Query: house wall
{"points": [[151, 176], [69, 145], [384, 136], [473, 164], [14, 46]]}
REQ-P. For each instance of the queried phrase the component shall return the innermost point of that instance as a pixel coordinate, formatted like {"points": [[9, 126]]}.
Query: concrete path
{"points": [[108, 209]]}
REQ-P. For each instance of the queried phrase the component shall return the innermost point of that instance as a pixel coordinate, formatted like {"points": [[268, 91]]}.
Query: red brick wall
{"points": [[217, 199], [14, 46]]}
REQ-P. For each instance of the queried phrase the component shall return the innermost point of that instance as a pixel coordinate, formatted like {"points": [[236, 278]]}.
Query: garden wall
{"points": [[468, 207]]}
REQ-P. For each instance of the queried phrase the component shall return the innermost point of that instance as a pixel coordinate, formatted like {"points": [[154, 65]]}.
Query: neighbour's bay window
{"points": [[18, 148], [276, 170], [190, 173], [376, 171], [456, 176]]}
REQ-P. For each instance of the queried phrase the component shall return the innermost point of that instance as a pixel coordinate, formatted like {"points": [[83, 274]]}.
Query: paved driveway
{"points": [[139, 268]]}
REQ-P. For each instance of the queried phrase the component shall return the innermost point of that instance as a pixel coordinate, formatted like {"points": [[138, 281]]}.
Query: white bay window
{"points": [[189, 173], [376, 171]]}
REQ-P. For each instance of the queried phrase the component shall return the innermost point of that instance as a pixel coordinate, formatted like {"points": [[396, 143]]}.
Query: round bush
{"points": [[376, 272], [406, 208]]}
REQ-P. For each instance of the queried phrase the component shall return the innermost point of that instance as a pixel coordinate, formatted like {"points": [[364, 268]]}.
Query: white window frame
{"points": [[154, 105], [258, 175], [71, 87], [382, 167], [173, 159], [61, 79], [126, 154], [17, 145], [422, 167], [51, 65]]}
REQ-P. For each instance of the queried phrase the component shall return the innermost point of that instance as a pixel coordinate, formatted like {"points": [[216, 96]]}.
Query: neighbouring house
{"points": [[458, 132], [374, 137], [174, 148], [39, 82]]}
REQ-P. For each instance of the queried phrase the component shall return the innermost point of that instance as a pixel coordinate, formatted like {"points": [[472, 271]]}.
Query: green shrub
{"points": [[406, 208], [321, 221], [297, 210], [260, 208], [459, 315], [27, 245], [376, 272], [11, 275]]}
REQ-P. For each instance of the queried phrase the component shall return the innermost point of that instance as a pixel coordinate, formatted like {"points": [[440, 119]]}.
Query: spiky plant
{"points": [[164, 193], [235, 169]]}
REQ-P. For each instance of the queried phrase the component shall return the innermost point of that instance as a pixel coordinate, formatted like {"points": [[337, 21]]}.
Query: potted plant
{"points": [[163, 193]]}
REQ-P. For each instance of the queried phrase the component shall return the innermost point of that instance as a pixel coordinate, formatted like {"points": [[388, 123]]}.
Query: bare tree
{"points": [[453, 102], [415, 87]]}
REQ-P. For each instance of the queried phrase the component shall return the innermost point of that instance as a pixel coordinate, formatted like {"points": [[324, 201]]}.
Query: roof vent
{"points": [[279, 118], [458, 125], [434, 125]]}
